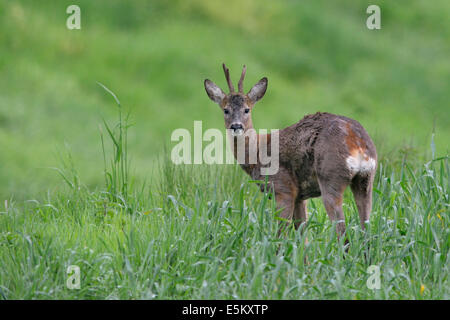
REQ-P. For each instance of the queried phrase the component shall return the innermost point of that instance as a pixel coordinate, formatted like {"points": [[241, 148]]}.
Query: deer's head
{"points": [[236, 106]]}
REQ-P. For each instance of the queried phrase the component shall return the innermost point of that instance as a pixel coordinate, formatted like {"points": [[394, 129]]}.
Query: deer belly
{"points": [[308, 188]]}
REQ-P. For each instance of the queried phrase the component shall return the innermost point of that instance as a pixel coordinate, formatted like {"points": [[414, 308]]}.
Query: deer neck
{"points": [[251, 145]]}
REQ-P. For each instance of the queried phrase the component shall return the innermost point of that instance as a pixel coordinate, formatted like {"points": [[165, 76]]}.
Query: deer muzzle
{"points": [[237, 129]]}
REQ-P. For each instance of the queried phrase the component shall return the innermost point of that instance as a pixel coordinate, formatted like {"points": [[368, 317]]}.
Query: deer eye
{"points": [[226, 111], [247, 110]]}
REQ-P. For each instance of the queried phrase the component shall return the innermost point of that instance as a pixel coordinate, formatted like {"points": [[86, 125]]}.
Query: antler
{"points": [[227, 76], [241, 80]]}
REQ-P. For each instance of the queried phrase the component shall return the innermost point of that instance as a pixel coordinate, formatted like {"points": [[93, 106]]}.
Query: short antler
{"points": [[227, 76], [241, 80]]}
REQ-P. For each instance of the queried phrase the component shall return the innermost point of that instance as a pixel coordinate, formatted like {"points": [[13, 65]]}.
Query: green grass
{"points": [[80, 191], [217, 239]]}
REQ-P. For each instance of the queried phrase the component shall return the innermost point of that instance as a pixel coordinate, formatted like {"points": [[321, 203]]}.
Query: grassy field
{"points": [[141, 228], [208, 233]]}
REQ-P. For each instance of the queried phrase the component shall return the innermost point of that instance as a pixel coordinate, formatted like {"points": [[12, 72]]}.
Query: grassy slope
{"points": [[316, 56], [207, 232]]}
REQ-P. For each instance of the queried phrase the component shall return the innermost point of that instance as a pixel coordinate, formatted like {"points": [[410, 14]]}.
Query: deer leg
{"points": [[332, 199], [300, 213], [300, 216], [333, 206], [361, 186], [285, 201], [285, 192]]}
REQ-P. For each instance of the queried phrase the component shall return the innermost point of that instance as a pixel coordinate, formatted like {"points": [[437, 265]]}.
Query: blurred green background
{"points": [[318, 56]]}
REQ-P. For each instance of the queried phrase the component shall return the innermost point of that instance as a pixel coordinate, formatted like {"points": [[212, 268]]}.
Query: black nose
{"points": [[236, 126]]}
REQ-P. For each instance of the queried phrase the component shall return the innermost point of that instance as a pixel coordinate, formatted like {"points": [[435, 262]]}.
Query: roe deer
{"points": [[320, 155]]}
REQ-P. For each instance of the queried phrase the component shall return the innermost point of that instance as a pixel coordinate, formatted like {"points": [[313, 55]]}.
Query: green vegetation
{"points": [[208, 233], [140, 227]]}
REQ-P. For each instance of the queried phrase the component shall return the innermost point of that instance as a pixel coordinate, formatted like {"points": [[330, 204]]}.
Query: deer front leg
{"points": [[285, 192], [300, 213], [300, 216], [286, 202]]}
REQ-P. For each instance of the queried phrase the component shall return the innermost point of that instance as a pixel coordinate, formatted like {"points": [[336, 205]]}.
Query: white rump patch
{"points": [[360, 164]]}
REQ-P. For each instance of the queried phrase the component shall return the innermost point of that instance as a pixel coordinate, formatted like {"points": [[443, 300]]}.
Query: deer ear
{"points": [[258, 90], [214, 92]]}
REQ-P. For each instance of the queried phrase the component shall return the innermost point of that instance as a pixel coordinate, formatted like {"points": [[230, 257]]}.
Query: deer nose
{"points": [[236, 126]]}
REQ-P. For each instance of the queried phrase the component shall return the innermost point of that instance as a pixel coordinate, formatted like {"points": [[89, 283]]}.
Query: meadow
{"points": [[81, 186]]}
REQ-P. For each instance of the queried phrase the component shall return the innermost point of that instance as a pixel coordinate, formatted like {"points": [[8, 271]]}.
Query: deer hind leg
{"points": [[332, 195], [361, 186]]}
